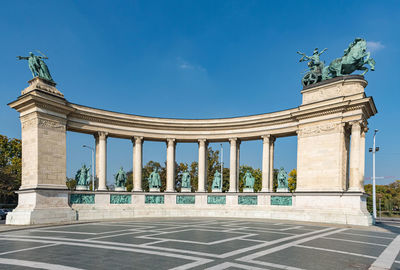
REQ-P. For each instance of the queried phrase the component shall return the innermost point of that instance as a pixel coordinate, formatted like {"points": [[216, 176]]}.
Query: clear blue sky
{"points": [[197, 59]]}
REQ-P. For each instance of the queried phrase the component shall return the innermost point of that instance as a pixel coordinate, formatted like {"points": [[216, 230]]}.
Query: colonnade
{"points": [[354, 162], [268, 163]]}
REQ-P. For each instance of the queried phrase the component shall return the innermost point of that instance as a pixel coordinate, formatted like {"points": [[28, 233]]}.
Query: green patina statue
{"points": [[37, 66], [217, 183], [82, 178], [186, 180], [354, 58], [282, 181], [120, 179], [154, 179], [248, 180]]}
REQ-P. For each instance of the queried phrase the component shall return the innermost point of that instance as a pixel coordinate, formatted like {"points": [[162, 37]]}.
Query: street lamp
{"points": [[222, 164], [374, 149], [91, 148]]}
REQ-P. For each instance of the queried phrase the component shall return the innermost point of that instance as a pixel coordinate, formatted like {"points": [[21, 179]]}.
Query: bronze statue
{"points": [[37, 66]]}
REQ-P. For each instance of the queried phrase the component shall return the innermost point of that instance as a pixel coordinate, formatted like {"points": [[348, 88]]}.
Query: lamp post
{"points": [[374, 149], [222, 164], [91, 148]]}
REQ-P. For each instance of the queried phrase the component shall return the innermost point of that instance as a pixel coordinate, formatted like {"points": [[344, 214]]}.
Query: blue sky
{"points": [[197, 59]]}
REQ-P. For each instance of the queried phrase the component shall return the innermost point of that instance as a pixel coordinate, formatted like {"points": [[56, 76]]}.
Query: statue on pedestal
{"points": [[186, 186], [282, 181], [120, 180], [217, 182], [248, 180], [37, 66], [354, 58], [154, 180], [82, 178]]}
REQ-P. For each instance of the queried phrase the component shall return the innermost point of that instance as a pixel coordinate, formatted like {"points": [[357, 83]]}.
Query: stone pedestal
{"points": [[248, 190], [43, 195], [154, 189], [82, 188], [120, 188], [186, 190], [282, 190], [216, 190]]}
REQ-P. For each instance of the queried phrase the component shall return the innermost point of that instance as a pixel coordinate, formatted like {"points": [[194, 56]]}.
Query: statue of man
{"points": [[248, 180], [120, 178], [154, 179], [282, 179], [82, 176], [37, 66], [315, 62], [186, 179], [216, 184]]}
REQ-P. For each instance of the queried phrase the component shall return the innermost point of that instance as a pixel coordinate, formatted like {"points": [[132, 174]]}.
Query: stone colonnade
{"points": [[330, 125]]}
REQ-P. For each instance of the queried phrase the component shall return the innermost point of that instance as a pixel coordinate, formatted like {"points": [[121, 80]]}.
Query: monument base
{"points": [[186, 190], [82, 188], [282, 190], [120, 189], [248, 190], [216, 190], [41, 206], [154, 189]]}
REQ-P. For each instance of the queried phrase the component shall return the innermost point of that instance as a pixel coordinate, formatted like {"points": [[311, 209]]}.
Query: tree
{"points": [[146, 171], [71, 183], [256, 173], [292, 181], [129, 181], [10, 169]]}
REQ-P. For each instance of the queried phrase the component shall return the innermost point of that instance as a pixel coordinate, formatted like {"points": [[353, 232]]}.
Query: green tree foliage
{"points": [[71, 183], [213, 165], [292, 181], [129, 181], [194, 175], [387, 195], [275, 180], [10, 169]]}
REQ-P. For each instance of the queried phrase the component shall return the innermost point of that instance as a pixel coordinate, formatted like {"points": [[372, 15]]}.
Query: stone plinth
{"points": [[186, 190], [120, 188], [248, 190]]}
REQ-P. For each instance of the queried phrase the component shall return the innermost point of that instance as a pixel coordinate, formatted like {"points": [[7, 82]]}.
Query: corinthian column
{"points": [[355, 143], [102, 160], [233, 165], [362, 158], [265, 164], [170, 165], [202, 172], [137, 163]]}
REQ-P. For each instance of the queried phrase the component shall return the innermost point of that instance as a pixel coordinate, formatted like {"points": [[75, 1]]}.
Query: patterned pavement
{"points": [[199, 243]]}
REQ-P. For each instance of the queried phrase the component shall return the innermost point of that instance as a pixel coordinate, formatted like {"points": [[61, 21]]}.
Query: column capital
{"points": [[170, 141], [137, 139], [233, 139], [266, 138], [102, 134], [202, 140]]}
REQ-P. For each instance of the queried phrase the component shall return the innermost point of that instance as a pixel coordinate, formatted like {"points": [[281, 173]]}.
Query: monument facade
{"points": [[330, 126]]}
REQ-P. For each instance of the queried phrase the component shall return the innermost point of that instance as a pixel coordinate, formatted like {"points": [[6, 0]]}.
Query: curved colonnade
{"points": [[331, 119]]}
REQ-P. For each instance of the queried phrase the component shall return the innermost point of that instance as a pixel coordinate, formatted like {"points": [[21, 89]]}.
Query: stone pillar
{"points": [[355, 162], [202, 171], [96, 138], [170, 165], [102, 160], [271, 163], [43, 195], [237, 164], [137, 163], [265, 164], [233, 165], [362, 158]]}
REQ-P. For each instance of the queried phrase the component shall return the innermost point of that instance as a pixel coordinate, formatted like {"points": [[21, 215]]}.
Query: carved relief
{"points": [[320, 129], [28, 123], [46, 123]]}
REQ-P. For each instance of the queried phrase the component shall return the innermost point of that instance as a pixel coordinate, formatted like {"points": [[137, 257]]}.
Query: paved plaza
{"points": [[198, 244]]}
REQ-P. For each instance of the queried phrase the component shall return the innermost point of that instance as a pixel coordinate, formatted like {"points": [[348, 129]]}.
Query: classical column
{"points": [[362, 158], [271, 162], [233, 165], [355, 143], [137, 163], [170, 165], [102, 160], [237, 164], [265, 164], [202, 172], [96, 138]]}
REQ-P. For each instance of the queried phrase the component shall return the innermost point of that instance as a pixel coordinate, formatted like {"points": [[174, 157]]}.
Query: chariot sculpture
{"points": [[354, 58]]}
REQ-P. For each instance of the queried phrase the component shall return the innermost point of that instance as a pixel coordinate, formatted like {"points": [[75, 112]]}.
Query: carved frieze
{"points": [[319, 129]]}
